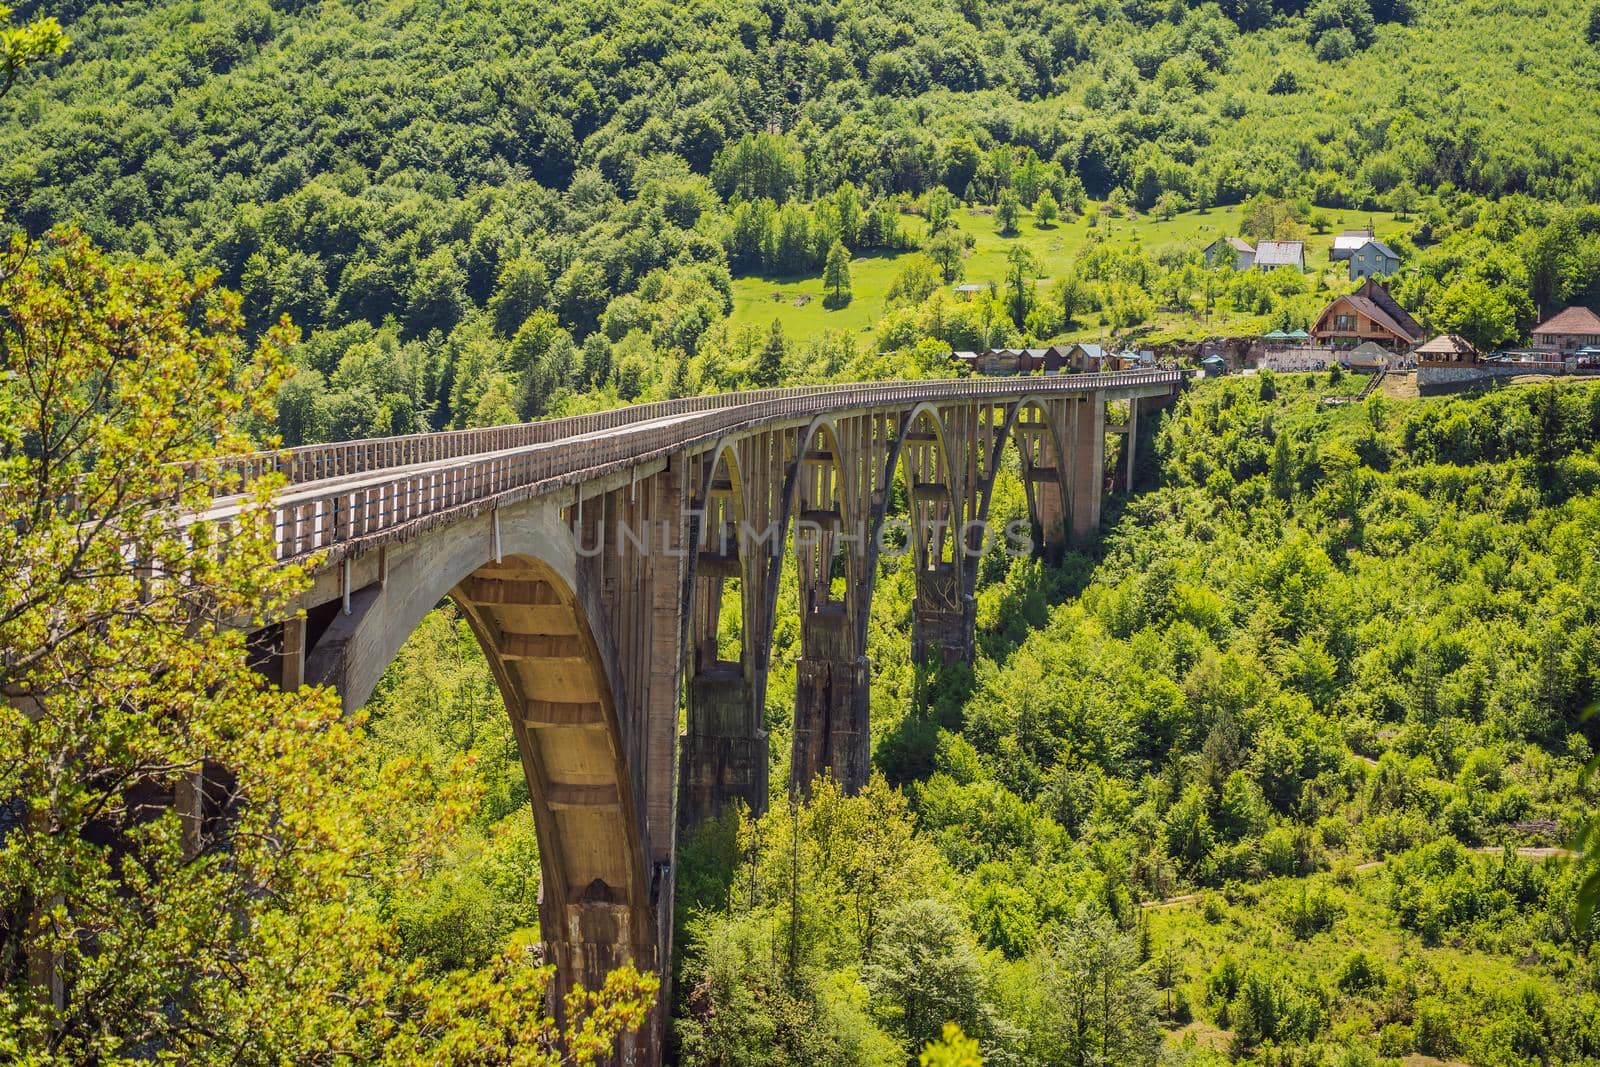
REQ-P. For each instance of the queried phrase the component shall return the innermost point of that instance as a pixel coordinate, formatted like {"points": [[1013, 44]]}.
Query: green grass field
{"points": [[796, 302]]}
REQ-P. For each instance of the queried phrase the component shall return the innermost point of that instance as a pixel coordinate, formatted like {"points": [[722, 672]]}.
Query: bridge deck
{"points": [[366, 490]]}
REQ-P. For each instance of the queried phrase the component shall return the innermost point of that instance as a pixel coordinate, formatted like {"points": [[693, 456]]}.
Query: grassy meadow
{"points": [[797, 301]]}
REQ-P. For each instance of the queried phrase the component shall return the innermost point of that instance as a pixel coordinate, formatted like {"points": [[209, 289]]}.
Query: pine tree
{"points": [[836, 275], [1282, 469], [769, 362]]}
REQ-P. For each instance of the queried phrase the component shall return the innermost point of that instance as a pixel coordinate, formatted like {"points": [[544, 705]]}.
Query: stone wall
{"points": [[1436, 377]]}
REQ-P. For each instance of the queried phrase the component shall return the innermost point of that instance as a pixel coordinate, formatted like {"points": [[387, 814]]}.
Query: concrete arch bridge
{"points": [[594, 557]]}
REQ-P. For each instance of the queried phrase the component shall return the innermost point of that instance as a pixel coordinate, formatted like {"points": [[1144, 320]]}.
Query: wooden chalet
{"points": [[1368, 314]]}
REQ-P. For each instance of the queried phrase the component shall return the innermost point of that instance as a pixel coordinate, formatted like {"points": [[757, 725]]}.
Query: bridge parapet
{"points": [[359, 490]]}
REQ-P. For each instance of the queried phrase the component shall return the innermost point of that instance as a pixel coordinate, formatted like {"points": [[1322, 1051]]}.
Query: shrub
{"points": [[1310, 912], [1358, 973], [1336, 44]]}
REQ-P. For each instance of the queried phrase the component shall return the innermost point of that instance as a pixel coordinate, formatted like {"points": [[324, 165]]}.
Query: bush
{"points": [[1435, 1029], [1310, 912], [1358, 973]]}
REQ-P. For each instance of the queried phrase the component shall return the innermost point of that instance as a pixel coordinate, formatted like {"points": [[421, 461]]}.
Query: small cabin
{"points": [[1273, 254], [1086, 358], [1233, 252], [1446, 350]]}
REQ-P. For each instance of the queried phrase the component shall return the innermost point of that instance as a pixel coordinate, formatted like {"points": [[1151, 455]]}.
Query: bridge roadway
{"points": [[591, 557]]}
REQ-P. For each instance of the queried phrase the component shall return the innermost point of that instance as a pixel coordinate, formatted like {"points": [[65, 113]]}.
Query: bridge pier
{"points": [[943, 617], [597, 937], [833, 686], [1086, 432], [724, 753]]}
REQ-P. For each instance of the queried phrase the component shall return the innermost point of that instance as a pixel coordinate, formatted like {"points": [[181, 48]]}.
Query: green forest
{"points": [[478, 213], [1291, 766]]}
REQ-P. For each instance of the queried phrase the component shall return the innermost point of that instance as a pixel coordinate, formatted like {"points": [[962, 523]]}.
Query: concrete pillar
{"points": [[1086, 430], [1132, 449], [593, 937], [724, 752], [943, 617], [832, 731]]}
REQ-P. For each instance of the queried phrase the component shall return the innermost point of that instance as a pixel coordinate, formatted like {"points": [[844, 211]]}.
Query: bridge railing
{"points": [[315, 463], [508, 458]]}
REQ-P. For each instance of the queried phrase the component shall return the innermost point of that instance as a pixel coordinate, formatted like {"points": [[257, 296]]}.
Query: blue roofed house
{"points": [[1374, 259]]}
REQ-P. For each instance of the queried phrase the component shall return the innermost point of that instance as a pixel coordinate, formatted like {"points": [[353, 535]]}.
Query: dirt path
{"points": [[1529, 852]]}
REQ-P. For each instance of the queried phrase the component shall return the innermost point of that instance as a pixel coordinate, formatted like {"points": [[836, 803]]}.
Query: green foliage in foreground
{"points": [[195, 866], [1330, 640]]}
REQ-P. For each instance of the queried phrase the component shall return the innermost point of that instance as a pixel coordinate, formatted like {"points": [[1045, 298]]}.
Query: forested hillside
{"points": [[1284, 769], [481, 211]]}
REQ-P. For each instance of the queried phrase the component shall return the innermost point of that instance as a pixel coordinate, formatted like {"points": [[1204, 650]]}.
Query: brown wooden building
{"points": [[1368, 314]]}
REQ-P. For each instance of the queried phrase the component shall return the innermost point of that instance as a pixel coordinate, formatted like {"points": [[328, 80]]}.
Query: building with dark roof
{"points": [[1568, 331], [1368, 314], [1373, 259]]}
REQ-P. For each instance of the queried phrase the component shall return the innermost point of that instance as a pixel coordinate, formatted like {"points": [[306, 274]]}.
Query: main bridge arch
{"points": [[516, 576]]}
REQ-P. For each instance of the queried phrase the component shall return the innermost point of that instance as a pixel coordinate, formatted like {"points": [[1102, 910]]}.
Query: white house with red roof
{"points": [[1568, 331]]}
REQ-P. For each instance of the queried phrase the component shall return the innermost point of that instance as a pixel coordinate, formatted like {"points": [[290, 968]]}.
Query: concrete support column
{"points": [[1086, 430], [1044, 498], [724, 752], [1131, 452], [589, 939], [832, 731], [943, 617]]}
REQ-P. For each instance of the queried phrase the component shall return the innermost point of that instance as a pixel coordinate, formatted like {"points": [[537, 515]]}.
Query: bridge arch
{"points": [[928, 466], [828, 508], [724, 751], [513, 575], [1033, 429]]}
